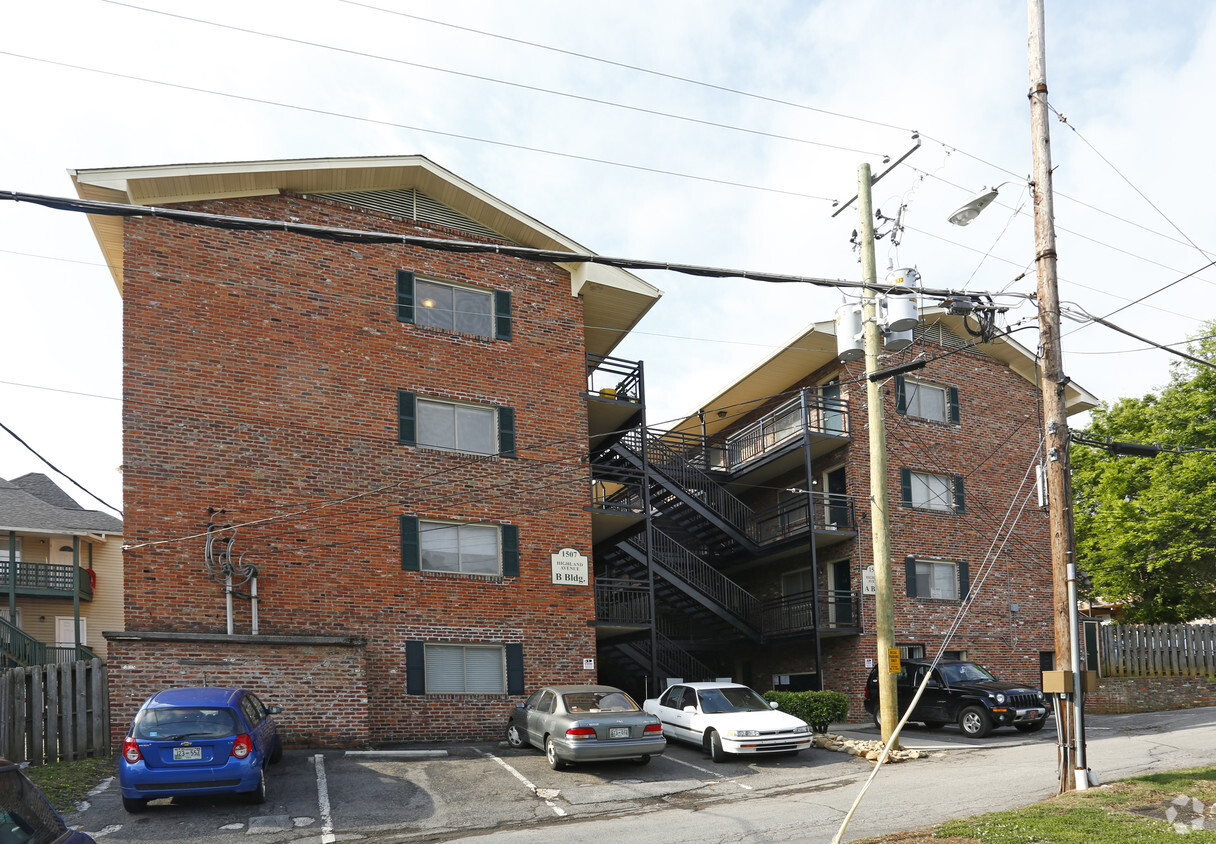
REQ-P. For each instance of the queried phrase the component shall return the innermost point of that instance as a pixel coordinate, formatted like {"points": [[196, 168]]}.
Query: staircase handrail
{"points": [[693, 480], [686, 666], [19, 646], [703, 577]]}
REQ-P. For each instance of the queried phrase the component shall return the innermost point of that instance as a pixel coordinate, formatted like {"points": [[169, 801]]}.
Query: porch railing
{"points": [[46, 577]]}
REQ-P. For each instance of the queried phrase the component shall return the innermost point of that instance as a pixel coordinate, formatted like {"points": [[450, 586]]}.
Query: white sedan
{"points": [[726, 718]]}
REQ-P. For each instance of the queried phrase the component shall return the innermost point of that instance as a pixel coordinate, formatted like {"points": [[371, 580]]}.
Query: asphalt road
{"points": [[490, 793]]}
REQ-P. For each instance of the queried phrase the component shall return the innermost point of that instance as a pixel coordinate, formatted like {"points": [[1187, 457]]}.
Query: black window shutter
{"points": [[415, 668], [905, 487], [959, 497], [407, 418], [901, 395], [506, 432], [510, 550], [964, 579], [411, 554], [910, 574], [502, 314], [515, 669], [955, 414], [405, 296]]}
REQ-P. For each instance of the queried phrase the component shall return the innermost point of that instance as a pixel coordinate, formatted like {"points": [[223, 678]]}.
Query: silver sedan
{"points": [[585, 724]]}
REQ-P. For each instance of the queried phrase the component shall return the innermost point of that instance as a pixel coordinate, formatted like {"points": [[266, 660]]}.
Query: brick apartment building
{"points": [[400, 440], [396, 434], [752, 563]]}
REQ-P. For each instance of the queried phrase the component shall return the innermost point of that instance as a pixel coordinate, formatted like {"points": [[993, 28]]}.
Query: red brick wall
{"points": [[1150, 694], [994, 448], [322, 688], [260, 376]]}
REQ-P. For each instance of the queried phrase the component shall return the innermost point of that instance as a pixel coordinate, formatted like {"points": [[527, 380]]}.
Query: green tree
{"points": [[1146, 526]]}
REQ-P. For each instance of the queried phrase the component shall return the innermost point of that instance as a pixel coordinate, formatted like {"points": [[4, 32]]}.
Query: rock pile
{"points": [[869, 750]]}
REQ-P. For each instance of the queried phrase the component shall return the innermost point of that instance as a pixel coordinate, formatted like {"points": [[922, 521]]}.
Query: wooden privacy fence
{"points": [[54, 713], [1157, 650]]}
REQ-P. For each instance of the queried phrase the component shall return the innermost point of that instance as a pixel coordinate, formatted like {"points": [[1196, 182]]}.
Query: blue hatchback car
{"points": [[198, 741]]}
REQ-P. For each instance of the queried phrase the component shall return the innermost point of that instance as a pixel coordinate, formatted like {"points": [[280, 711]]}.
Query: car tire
{"points": [[258, 795], [276, 752], [876, 718], [934, 725], [134, 805], [974, 722], [551, 755], [1029, 728], [515, 736], [716, 751], [644, 759]]}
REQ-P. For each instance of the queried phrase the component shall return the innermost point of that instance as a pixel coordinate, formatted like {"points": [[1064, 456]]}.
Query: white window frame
{"points": [[464, 530], [930, 585], [445, 676], [459, 409], [4, 548], [429, 314], [924, 497], [917, 404]]}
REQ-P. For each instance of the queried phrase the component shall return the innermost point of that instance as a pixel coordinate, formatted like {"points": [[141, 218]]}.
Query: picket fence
{"points": [[1157, 650], [54, 713]]}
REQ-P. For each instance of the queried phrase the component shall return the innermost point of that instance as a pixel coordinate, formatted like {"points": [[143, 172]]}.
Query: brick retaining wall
{"points": [[1150, 694]]}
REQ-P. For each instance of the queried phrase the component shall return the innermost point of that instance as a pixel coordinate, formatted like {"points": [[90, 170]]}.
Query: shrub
{"points": [[819, 709]]}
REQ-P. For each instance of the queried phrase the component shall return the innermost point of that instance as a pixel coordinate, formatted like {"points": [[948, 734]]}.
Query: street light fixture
{"points": [[971, 209]]}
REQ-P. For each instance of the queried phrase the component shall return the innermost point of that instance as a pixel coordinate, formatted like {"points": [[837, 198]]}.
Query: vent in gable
{"points": [[413, 205], [936, 334]]}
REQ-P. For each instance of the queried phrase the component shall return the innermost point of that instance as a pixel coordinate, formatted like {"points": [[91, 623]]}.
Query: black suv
{"points": [[964, 693]]}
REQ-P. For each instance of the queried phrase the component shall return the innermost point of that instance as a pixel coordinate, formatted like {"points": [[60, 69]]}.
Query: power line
{"points": [[74, 482], [497, 81], [412, 128]]}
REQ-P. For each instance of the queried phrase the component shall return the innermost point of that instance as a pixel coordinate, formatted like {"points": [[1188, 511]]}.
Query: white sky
{"points": [[848, 80]]}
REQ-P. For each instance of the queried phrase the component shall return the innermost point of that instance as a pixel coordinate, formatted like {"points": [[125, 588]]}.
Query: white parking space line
{"points": [[557, 810], [327, 820], [707, 771]]}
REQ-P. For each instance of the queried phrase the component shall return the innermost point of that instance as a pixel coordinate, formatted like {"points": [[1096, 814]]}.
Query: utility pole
{"points": [[1052, 386], [884, 604]]}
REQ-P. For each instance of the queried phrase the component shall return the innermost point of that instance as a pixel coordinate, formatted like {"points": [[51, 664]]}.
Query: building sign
{"points": [[588, 664], [570, 568], [868, 584]]}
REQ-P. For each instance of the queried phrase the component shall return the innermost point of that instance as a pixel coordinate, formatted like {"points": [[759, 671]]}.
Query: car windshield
{"points": [[179, 723], [25, 816], [598, 702], [731, 699], [966, 672]]}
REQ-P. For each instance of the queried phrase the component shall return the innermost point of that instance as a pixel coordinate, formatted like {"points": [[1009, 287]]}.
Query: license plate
{"points": [[618, 732], [187, 754]]}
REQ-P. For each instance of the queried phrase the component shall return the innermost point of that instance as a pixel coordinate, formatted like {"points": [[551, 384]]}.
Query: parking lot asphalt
{"points": [[440, 792]]}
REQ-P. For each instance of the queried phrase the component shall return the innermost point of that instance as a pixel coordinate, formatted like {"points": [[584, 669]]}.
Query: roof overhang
{"points": [[614, 300], [815, 347]]}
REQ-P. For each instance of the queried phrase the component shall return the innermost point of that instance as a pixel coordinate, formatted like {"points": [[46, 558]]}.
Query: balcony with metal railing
{"points": [[791, 615], [834, 515], [615, 396], [827, 424], [45, 580]]}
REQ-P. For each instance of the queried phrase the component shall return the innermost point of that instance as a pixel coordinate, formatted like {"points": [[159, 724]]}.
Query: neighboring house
{"points": [[753, 563], [397, 433], [60, 572]]}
